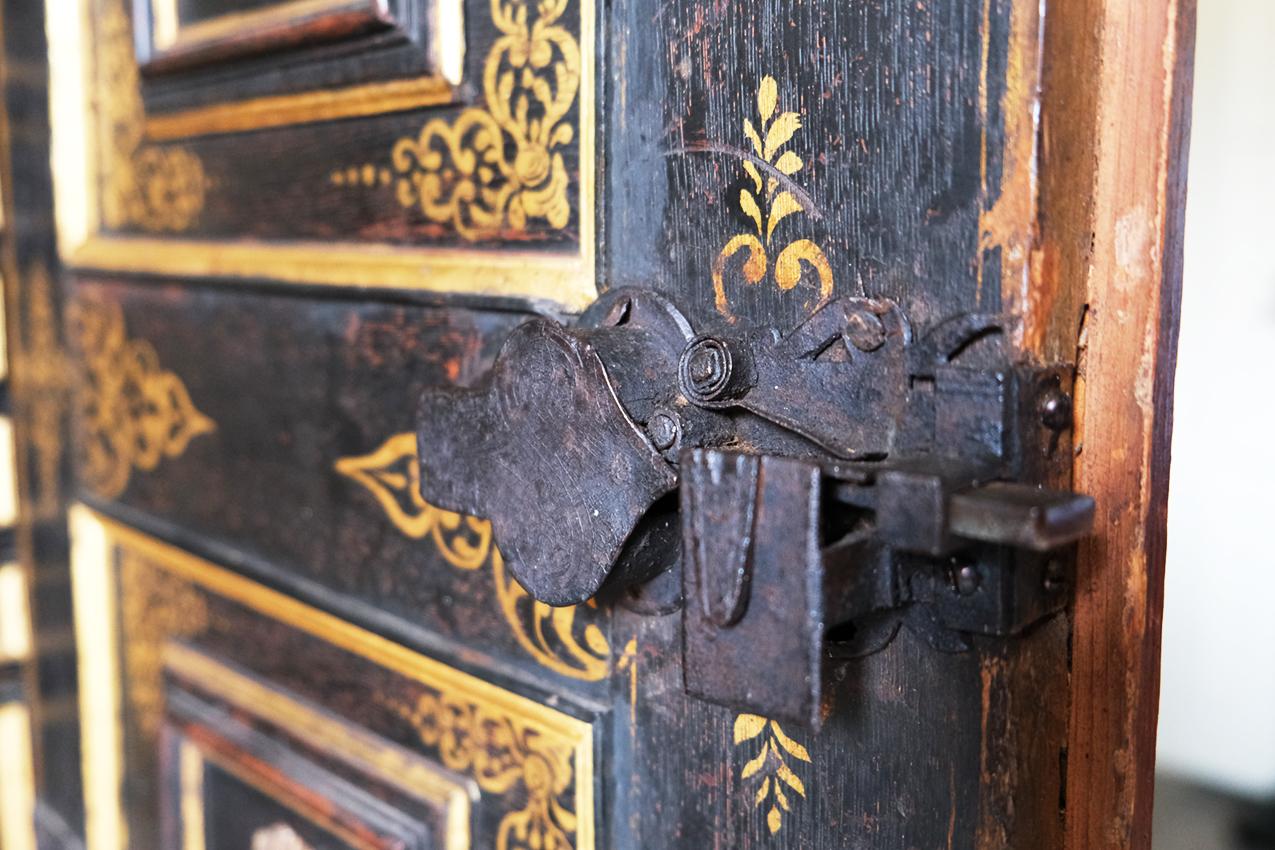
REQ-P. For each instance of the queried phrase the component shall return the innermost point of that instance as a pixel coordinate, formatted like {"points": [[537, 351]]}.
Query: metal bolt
{"points": [[663, 429], [708, 371], [967, 580], [707, 367], [865, 330], [1055, 409]]}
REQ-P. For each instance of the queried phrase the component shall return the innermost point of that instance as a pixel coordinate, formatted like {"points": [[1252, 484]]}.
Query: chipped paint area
{"points": [[1135, 245]]}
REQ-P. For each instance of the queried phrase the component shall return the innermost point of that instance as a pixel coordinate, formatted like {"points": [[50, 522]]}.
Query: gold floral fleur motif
{"points": [[131, 413], [502, 754], [155, 606], [41, 384], [492, 169], [157, 188], [556, 637], [767, 203], [770, 763]]}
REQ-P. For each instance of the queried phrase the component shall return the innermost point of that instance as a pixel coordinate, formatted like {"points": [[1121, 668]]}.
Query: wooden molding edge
{"points": [[1116, 123]]}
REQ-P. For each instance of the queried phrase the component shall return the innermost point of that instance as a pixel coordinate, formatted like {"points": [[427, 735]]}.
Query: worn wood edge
{"points": [[1116, 120], [1024, 695]]}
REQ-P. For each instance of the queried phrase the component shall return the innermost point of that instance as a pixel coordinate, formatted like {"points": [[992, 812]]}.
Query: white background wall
{"points": [[1217, 707]]}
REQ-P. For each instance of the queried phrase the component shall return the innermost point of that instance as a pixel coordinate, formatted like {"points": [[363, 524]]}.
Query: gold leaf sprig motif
{"points": [[492, 169], [130, 412], [501, 754], [557, 638], [767, 203], [778, 131], [771, 764]]}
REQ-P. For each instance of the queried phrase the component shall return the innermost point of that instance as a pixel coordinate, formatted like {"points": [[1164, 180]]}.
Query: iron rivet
{"points": [[1055, 410], [663, 430], [967, 580]]}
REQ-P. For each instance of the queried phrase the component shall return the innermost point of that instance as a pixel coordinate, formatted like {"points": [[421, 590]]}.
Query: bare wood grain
{"points": [[1114, 148]]}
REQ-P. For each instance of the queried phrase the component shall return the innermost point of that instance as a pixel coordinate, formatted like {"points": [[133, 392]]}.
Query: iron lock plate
{"points": [[834, 483]]}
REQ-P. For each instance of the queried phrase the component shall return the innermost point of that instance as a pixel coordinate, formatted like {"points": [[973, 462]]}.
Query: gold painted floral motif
{"points": [[41, 387], [155, 606], [502, 754], [492, 169], [392, 475], [157, 188], [131, 413], [771, 199], [770, 764], [278, 836], [556, 637]]}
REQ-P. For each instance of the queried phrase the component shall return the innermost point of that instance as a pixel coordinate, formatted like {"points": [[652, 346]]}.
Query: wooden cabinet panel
{"points": [[279, 221], [364, 738], [492, 190], [288, 437]]}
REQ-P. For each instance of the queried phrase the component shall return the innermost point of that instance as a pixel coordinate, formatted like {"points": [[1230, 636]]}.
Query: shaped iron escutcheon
{"points": [[842, 473], [548, 451]]}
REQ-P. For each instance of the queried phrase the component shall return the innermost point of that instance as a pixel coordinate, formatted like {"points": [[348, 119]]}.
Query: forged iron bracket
{"points": [[834, 483]]}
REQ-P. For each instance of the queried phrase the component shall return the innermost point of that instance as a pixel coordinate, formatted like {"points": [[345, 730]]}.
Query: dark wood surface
{"points": [[39, 383], [900, 161], [902, 142]]}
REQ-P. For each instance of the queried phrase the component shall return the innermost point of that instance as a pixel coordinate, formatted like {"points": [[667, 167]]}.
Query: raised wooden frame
{"points": [[175, 43], [564, 280], [97, 543]]}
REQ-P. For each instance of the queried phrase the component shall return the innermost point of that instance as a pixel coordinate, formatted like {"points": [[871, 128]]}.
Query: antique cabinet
{"points": [[250, 236]]}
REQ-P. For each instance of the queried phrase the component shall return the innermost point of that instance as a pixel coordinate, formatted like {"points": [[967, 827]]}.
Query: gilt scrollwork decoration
{"points": [[771, 198], [41, 384], [155, 606], [131, 413], [392, 475], [768, 766], [158, 188], [560, 639], [492, 169], [502, 754]]}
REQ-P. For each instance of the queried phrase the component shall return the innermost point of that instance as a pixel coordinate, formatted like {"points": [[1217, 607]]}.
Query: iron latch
{"points": [[816, 490]]}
